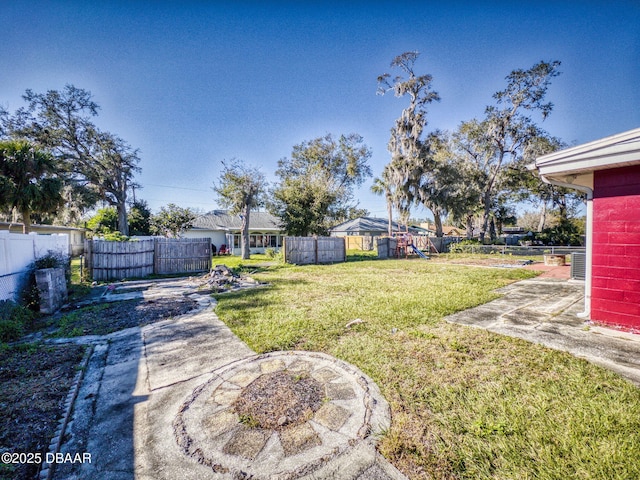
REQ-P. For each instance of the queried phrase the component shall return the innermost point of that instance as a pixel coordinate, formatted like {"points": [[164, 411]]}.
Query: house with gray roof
{"points": [[224, 231], [372, 227]]}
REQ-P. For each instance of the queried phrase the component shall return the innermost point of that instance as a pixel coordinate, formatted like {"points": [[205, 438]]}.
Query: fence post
{"points": [[315, 250], [156, 259]]}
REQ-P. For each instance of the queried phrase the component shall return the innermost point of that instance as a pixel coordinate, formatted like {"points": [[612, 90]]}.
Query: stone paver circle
{"points": [[208, 428]]}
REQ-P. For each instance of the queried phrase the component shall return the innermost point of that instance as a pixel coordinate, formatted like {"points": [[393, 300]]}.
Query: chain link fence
{"points": [[11, 284]]}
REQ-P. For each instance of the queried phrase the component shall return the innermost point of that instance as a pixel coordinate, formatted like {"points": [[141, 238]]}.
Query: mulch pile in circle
{"points": [[279, 400]]}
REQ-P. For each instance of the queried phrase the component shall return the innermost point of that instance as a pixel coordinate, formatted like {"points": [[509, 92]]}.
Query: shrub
{"points": [[273, 254], [115, 237], [464, 246], [566, 233], [14, 320]]}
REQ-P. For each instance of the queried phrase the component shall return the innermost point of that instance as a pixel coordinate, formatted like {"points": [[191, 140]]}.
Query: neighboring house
{"points": [[447, 230], [76, 235], [608, 171], [371, 227], [224, 231]]}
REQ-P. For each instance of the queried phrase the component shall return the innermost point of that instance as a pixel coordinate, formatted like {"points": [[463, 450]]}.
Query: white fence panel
{"points": [[18, 251]]}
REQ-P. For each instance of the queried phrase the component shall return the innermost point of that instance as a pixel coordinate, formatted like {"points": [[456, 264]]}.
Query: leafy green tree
{"points": [[527, 185], [241, 189], [139, 218], [350, 213], [96, 165], [395, 196], [171, 221], [316, 183], [502, 138], [104, 221], [112, 174], [28, 180]]}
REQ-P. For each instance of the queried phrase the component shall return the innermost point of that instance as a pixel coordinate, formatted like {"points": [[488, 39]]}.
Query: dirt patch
{"points": [[34, 382], [35, 378], [279, 400], [105, 318]]}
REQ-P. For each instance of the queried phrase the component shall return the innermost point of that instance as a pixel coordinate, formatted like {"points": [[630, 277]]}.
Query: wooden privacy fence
{"points": [[182, 255], [312, 250], [115, 260], [360, 242]]}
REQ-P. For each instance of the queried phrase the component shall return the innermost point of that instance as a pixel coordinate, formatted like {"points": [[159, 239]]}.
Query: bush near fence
{"points": [[314, 250], [135, 259]]}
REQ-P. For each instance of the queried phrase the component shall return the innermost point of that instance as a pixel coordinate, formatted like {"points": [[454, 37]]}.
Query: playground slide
{"points": [[417, 251]]}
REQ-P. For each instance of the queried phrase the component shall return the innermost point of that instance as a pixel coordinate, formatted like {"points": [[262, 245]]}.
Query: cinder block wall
{"points": [[615, 287], [52, 287]]}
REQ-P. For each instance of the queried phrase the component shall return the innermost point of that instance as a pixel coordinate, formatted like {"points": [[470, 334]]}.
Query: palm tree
{"points": [[28, 180], [381, 187]]}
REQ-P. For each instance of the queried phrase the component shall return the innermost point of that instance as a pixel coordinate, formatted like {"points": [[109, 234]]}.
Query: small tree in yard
{"points": [[104, 221], [139, 218], [241, 189], [172, 221], [316, 184], [28, 181]]}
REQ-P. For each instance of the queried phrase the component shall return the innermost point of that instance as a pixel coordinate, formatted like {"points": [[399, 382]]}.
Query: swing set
{"points": [[407, 244]]}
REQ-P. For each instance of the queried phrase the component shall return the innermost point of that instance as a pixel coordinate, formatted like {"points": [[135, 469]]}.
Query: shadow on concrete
{"points": [[104, 413]]}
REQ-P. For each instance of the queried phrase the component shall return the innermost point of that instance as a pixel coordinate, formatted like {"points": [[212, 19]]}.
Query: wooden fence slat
{"points": [[116, 260], [312, 250]]}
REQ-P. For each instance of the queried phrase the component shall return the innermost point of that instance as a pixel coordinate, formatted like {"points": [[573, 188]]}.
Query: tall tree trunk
{"points": [[486, 215], [492, 229], [390, 217], [469, 227], [437, 220], [123, 221], [246, 251], [543, 217], [26, 220]]}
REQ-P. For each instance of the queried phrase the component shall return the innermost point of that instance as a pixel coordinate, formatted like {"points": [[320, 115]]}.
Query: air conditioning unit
{"points": [[578, 265]]}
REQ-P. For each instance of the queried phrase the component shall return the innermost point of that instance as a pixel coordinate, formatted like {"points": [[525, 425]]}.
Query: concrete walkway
{"points": [[544, 311], [155, 404]]}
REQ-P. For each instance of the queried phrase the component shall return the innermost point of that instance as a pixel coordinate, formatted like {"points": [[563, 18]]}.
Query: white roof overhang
{"points": [[575, 166], [610, 152]]}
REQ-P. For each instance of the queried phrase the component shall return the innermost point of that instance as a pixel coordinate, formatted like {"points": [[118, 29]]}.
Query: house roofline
{"points": [[618, 150]]}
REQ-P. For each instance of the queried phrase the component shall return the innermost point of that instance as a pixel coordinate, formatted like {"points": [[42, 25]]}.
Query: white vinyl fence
{"points": [[18, 251]]}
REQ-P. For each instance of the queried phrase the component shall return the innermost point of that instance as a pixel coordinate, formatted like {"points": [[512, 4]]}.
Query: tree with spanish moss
{"points": [[94, 165], [506, 132], [414, 173]]}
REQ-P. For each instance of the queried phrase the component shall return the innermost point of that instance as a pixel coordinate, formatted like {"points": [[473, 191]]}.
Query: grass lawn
{"points": [[466, 403]]}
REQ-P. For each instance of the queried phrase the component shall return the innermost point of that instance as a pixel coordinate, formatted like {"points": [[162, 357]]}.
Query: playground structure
{"points": [[407, 244]]}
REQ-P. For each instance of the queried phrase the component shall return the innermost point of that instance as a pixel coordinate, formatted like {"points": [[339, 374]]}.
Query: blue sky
{"points": [[192, 83]]}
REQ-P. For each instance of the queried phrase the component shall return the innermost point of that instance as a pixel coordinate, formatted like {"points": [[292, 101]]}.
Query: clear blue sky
{"points": [[191, 83]]}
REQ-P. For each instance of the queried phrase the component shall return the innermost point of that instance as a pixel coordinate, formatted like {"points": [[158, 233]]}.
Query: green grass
{"points": [[80, 287], [466, 403]]}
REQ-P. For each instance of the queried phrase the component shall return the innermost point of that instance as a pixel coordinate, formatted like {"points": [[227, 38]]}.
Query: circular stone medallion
{"points": [[279, 414]]}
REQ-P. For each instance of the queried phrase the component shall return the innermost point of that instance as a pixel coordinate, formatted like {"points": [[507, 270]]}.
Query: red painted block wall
{"points": [[615, 287]]}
